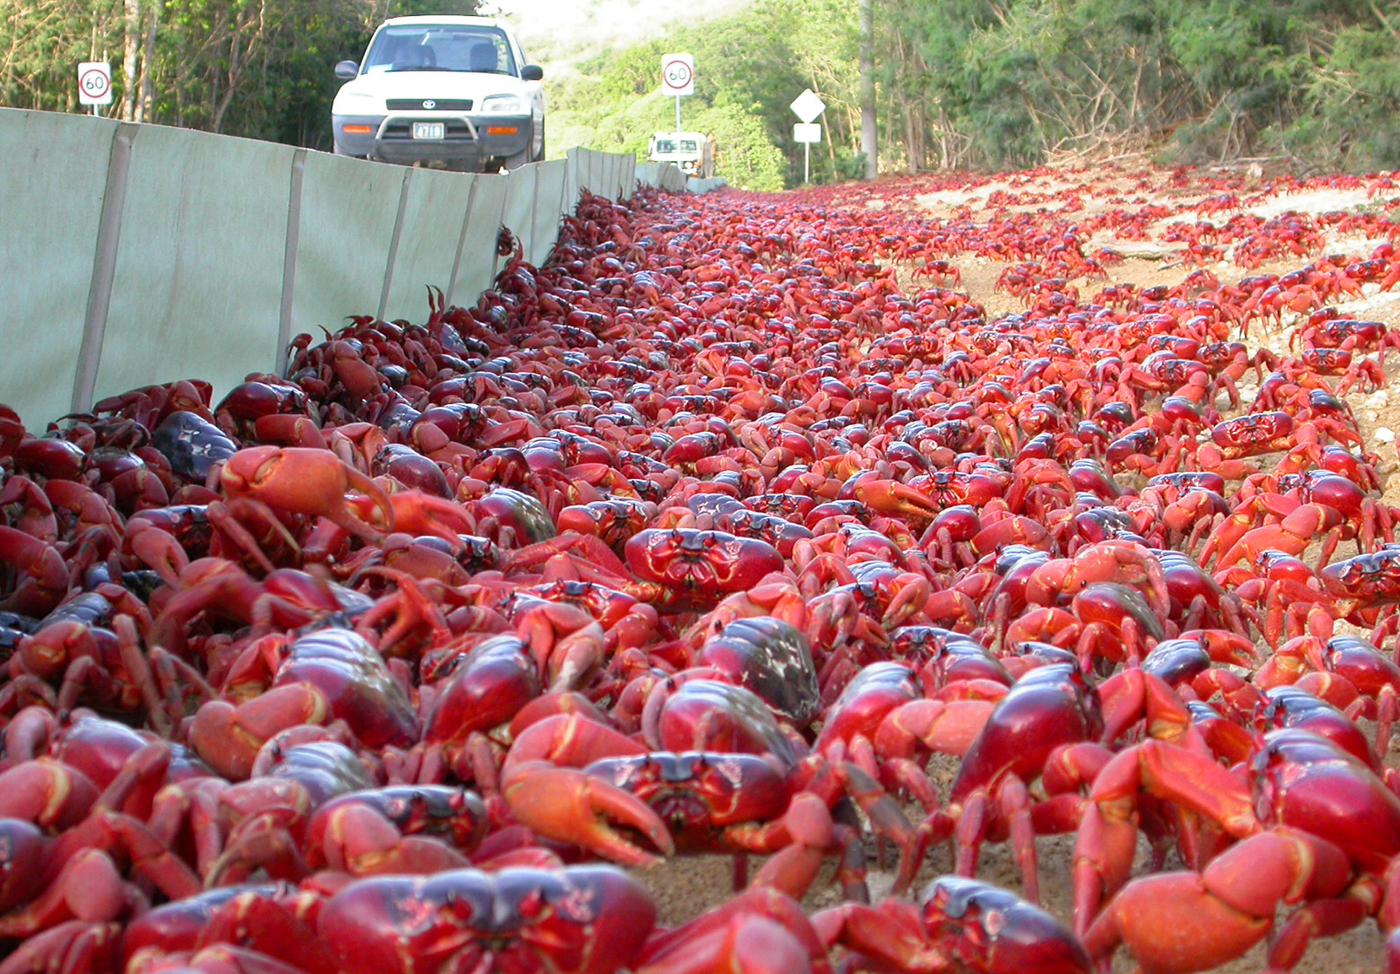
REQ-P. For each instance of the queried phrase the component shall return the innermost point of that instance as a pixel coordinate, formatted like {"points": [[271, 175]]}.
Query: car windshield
{"points": [[437, 47], [676, 145]]}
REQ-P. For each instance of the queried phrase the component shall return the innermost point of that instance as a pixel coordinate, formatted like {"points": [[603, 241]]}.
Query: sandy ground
{"points": [[685, 887]]}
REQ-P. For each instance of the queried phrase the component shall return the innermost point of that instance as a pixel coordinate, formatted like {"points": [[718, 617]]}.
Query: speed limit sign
{"points": [[94, 83], [677, 74]]}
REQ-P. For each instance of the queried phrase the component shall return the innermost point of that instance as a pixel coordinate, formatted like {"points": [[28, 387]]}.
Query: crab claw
{"points": [[568, 805], [302, 480], [893, 497], [42, 574]]}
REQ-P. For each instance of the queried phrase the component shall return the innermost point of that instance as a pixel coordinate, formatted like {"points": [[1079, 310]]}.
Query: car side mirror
{"points": [[347, 69], [531, 72]]}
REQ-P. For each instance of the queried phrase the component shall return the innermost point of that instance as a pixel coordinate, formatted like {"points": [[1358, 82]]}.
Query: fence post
{"points": [[104, 265]]}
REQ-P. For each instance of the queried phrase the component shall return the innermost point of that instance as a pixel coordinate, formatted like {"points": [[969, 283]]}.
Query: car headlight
{"points": [[504, 105], [347, 103]]}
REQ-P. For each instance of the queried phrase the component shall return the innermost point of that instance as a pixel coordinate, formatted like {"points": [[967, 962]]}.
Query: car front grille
{"points": [[439, 104], [401, 129]]}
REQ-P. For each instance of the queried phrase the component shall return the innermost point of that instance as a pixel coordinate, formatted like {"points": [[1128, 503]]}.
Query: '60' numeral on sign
{"points": [[94, 83], [677, 74]]}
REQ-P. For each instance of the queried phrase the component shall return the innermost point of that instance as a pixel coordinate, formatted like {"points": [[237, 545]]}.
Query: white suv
{"points": [[444, 89]]}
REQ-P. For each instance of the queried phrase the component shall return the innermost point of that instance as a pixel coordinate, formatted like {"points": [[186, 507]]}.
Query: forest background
{"points": [[1311, 85]]}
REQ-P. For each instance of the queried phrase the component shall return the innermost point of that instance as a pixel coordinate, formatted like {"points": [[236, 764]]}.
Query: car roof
{"points": [[446, 19]]}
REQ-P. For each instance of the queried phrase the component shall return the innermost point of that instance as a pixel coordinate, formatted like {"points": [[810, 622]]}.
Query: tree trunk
{"points": [[913, 138], [131, 50], [146, 109], [867, 89]]}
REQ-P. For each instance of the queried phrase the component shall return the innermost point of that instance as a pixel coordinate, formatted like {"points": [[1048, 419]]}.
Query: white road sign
{"points": [[677, 74], [806, 132], [807, 106], [94, 83]]}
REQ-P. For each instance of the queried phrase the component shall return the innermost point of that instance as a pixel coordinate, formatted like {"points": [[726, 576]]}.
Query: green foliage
{"points": [[746, 156], [958, 82], [1353, 104], [42, 43], [1019, 79], [415, 8], [244, 67], [628, 73], [744, 82]]}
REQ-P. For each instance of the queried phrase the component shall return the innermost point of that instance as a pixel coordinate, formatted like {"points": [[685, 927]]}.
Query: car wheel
{"points": [[539, 156]]}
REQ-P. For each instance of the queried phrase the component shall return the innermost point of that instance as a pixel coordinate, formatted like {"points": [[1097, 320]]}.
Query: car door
{"points": [[536, 95]]}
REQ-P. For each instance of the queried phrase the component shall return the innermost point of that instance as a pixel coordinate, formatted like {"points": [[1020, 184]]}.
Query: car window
{"points": [[440, 48]]}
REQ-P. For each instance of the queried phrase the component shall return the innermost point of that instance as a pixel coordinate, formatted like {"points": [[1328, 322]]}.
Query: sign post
{"points": [[678, 78], [94, 84], [808, 107], [807, 133]]}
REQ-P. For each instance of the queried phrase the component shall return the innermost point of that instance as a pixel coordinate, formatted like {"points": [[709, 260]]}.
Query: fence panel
{"points": [[520, 208], [197, 287], [477, 268], [148, 254], [431, 232], [54, 170], [348, 213], [551, 183]]}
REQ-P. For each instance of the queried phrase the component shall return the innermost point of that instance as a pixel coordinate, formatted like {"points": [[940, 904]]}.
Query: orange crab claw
{"points": [[542, 784], [893, 497], [303, 480], [568, 805]]}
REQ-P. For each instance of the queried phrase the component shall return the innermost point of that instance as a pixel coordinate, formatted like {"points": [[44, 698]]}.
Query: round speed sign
{"points": [[677, 74], [94, 83]]}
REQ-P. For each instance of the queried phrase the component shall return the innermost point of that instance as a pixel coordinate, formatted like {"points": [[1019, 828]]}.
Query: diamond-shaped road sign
{"points": [[807, 106]]}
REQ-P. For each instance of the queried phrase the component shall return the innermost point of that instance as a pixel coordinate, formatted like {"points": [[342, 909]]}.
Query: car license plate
{"points": [[429, 130]]}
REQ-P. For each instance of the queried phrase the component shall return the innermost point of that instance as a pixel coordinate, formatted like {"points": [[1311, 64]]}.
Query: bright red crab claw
{"points": [[304, 480], [569, 806], [42, 575], [892, 497], [542, 783], [1174, 922]]}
